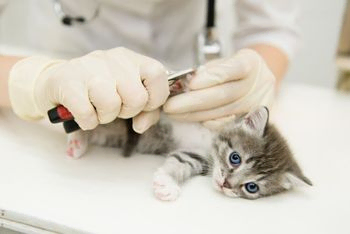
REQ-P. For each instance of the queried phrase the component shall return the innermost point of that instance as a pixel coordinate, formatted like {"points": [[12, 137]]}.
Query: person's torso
{"points": [[163, 29]]}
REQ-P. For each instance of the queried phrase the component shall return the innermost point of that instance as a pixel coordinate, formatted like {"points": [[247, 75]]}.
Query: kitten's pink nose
{"points": [[219, 183], [226, 184]]}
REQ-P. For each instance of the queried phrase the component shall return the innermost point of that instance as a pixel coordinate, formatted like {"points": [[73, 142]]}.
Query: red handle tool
{"points": [[61, 114]]}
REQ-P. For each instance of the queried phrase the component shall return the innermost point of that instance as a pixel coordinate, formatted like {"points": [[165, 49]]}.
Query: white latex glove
{"points": [[223, 88], [96, 88]]}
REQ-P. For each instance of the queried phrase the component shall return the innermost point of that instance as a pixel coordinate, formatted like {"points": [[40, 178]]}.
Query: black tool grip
{"points": [[70, 126], [61, 114]]}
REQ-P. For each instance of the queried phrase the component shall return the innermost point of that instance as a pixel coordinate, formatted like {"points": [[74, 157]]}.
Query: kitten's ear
{"points": [[294, 177], [256, 120]]}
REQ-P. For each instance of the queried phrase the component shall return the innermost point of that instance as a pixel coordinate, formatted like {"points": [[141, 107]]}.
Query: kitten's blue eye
{"points": [[235, 159], [251, 187]]}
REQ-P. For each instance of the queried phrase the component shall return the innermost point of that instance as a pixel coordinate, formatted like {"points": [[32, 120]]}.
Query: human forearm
{"points": [[6, 63], [276, 59]]}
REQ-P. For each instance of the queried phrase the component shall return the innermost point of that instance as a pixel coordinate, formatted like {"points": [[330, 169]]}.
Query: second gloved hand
{"points": [[96, 88], [223, 88]]}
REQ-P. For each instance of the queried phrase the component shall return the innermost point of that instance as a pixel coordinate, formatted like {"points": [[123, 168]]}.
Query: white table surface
{"points": [[106, 193]]}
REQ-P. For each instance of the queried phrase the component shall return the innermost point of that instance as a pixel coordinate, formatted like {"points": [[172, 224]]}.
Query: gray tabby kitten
{"points": [[248, 158]]}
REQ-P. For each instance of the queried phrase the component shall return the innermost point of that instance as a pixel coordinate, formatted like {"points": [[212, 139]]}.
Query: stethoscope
{"points": [[69, 20], [207, 45]]}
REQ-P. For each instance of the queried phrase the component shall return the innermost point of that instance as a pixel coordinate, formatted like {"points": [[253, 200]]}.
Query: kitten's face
{"points": [[250, 163], [234, 173]]}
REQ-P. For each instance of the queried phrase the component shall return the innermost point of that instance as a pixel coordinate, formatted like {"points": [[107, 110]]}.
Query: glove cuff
{"points": [[22, 81]]}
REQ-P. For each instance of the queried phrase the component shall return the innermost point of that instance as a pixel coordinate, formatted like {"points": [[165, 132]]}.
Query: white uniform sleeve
{"points": [[272, 22]]}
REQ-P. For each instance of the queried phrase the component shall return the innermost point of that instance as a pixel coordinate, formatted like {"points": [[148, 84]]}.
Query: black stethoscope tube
{"points": [[211, 14]]}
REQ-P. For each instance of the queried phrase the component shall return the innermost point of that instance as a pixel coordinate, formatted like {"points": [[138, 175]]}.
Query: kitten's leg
{"points": [[178, 167], [77, 144]]}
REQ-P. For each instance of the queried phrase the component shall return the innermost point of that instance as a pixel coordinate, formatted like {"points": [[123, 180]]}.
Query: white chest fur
{"points": [[192, 136]]}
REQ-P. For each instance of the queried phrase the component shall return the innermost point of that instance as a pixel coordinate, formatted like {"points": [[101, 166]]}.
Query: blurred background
{"points": [[321, 22]]}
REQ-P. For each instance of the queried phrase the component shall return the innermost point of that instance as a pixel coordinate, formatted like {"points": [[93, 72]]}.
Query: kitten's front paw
{"points": [[165, 187], [77, 145], [75, 149]]}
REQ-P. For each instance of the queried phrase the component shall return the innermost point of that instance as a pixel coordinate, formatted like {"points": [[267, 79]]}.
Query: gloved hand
{"points": [[223, 88], [96, 88]]}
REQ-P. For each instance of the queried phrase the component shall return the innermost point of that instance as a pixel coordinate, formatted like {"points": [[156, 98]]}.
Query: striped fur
{"points": [[266, 158]]}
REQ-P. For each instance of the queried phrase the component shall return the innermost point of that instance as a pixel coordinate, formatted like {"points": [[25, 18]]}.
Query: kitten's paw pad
{"points": [[165, 188], [75, 148]]}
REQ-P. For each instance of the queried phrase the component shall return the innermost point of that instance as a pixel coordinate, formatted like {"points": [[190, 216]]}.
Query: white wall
{"points": [[320, 23]]}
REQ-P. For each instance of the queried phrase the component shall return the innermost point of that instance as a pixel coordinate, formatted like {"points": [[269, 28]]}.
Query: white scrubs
{"points": [[163, 29]]}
